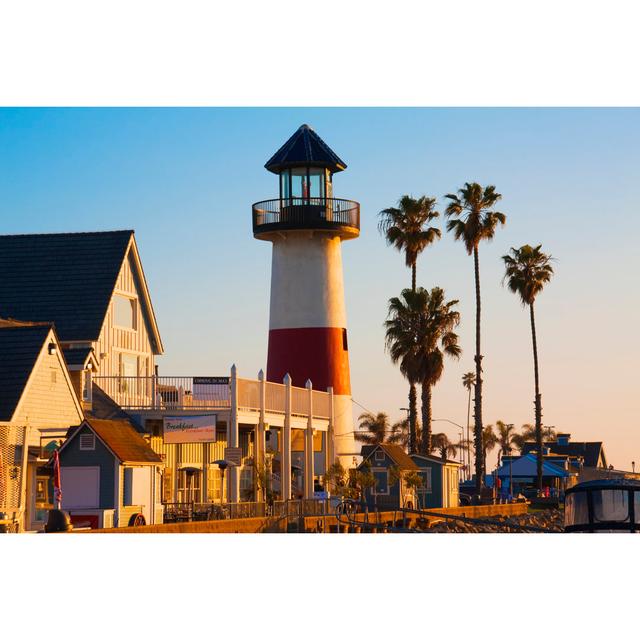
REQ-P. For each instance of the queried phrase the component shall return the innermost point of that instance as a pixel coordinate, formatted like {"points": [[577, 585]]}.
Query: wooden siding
{"points": [[114, 340], [71, 456], [48, 400]]}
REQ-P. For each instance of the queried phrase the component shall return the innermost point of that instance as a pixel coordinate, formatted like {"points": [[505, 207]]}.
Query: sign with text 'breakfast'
{"points": [[189, 429]]}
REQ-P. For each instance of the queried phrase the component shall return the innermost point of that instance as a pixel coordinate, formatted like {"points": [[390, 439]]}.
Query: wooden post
{"points": [[330, 443], [308, 446], [233, 476], [259, 460], [285, 471]]}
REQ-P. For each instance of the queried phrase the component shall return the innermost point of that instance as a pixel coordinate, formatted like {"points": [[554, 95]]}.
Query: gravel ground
{"points": [[549, 519]]}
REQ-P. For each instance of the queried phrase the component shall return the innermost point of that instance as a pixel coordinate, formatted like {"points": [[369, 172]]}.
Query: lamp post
{"points": [[455, 424], [222, 465]]}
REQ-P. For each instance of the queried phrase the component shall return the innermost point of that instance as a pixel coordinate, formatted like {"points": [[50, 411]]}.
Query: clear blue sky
{"points": [[184, 179]]}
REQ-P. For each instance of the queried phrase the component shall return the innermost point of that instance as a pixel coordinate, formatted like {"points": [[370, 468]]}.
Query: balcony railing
{"points": [[166, 392], [306, 213], [185, 393]]}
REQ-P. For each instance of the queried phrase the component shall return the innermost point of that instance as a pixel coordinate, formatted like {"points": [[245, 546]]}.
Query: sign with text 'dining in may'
{"points": [[189, 429]]}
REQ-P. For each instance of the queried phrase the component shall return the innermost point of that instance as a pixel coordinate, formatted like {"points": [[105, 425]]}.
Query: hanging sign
{"points": [[189, 429], [233, 455]]}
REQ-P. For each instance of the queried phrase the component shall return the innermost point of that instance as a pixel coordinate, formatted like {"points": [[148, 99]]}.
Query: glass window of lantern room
{"points": [[285, 184], [316, 183], [299, 183]]}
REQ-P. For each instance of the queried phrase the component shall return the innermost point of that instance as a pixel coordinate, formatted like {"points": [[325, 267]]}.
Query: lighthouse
{"points": [[307, 322]]}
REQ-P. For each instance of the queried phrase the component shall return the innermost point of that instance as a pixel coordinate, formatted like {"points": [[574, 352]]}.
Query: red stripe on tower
{"points": [[319, 354]]}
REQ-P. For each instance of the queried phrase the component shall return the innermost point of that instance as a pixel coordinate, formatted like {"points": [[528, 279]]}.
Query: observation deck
{"points": [[318, 214]]}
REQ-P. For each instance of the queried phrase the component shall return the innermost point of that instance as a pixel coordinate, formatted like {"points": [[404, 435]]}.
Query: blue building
{"points": [[389, 464], [440, 481]]}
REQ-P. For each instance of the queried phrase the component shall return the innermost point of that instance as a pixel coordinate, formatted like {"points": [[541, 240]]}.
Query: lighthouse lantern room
{"points": [[307, 322]]}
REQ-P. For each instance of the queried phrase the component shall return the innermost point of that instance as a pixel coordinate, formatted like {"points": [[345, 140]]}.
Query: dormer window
{"points": [[124, 312]]}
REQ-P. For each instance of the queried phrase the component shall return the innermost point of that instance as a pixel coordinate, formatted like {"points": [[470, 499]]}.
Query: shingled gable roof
{"points": [[120, 438], [67, 279], [78, 358], [592, 452], [20, 346], [395, 452], [305, 147]]}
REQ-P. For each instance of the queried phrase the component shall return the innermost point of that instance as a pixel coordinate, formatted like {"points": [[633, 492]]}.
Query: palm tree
{"points": [[401, 344], [473, 220], [376, 428], [528, 434], [419, 335], [405, 228], [489, 442], [505, 437], [468, 381], [435, 340], [445, 447], [527, 270], [400, 433]]}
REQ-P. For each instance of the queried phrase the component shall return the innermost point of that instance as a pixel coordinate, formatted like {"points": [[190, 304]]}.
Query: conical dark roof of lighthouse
{"points": [[305, 148]]}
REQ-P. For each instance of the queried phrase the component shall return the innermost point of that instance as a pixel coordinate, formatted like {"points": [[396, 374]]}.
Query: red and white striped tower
{"points": [[308, 322]]}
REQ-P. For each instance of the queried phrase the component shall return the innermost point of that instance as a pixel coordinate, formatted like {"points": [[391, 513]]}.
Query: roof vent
{"points": [[87, 442], [563, 438]]}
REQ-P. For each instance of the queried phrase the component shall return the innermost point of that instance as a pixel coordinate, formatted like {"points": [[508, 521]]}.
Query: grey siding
{"points": [[71, 456]]}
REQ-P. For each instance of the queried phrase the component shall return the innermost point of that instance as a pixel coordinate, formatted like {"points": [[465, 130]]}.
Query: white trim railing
{"points": [[201, 393]]}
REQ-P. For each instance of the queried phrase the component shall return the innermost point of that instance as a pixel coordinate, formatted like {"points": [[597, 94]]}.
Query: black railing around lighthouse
{"points": [[306, 213]]}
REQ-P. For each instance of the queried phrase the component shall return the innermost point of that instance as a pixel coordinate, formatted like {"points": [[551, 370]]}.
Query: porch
{"points": [[276, 439]]}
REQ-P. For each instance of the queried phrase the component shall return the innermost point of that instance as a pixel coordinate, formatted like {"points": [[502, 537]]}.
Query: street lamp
{"points": [[222, 465], [461, 434]]}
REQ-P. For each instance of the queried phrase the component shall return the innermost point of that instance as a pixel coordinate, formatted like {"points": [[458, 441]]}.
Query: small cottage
{"points": [[110, 476], [389, 465], [440, 481], [37, 404]]}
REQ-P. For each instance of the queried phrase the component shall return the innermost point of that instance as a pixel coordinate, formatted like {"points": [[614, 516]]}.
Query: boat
{"points": [[608, 505]]}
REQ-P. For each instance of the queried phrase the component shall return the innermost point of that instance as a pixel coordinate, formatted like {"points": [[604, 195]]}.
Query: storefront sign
{"points": [[189, 429], [211, 380]]}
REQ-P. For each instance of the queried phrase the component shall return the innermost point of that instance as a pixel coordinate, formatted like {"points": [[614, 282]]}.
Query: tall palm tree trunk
{"points": [[413, 408], [538, 399], [468, 474], [477, 414], [425, 449]]}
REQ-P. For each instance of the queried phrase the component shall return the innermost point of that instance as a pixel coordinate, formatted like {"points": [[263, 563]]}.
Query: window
{"points": [[379, 455], [128, 365], [167, 485], [425, 487], [297, 439], [345, 346], [86, 385], [610, 505], [189, 485], [381, 487], [124, 312], [318, 441], [316, 183], [87, 442], [299, 183], [576, 509]]}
